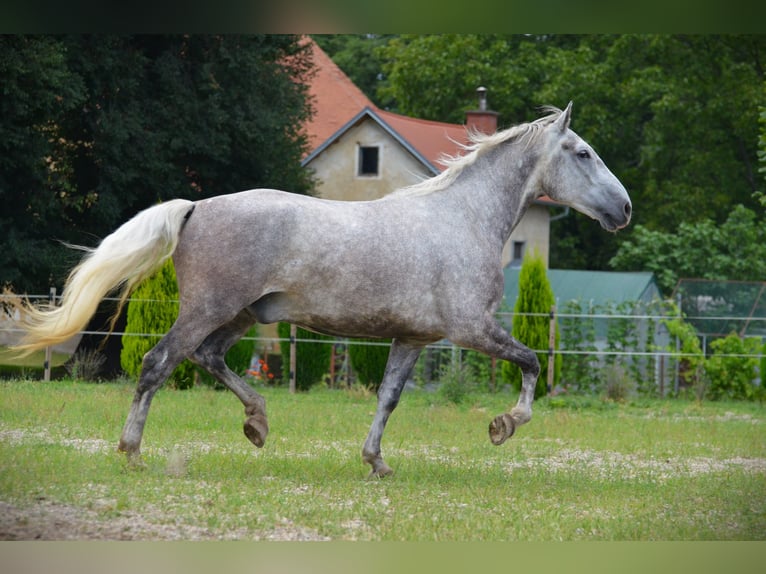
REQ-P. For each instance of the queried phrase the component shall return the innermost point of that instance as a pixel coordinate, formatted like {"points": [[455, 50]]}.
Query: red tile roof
{"points": [[337, 100]]}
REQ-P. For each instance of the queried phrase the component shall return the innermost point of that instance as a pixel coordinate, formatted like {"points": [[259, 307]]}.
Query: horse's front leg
{"points": [[496, 342], [401, 360]]}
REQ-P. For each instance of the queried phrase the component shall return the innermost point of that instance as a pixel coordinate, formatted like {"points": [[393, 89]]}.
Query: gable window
{"points": [[368, 163]]}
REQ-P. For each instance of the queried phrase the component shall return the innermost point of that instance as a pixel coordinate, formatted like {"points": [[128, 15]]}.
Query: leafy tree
{"points": [[312, 357], [96, 128], [674, 116], [735, 250], [369, 361], [531, 322], [38, 91]]}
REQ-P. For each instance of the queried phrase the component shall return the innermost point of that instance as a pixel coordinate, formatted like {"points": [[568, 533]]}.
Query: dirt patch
{"points": [[47, 520]]}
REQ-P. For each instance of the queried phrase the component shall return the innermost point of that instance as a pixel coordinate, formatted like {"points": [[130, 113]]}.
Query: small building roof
{"points": [[597, 287]]}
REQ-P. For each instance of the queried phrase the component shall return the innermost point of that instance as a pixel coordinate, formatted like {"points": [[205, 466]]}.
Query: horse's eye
{"points": [[583, 154]]}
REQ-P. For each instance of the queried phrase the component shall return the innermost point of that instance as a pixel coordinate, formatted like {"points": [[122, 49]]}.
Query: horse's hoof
{"points": [[501, 429], [381, 471], [256, 428], [132, 457]]}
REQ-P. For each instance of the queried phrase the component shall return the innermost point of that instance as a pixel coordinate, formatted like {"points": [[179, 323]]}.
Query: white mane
{"points": [[479, 144]]}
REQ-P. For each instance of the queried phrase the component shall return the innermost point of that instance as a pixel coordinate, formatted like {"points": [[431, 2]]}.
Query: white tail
{"points": [[123, 259]]}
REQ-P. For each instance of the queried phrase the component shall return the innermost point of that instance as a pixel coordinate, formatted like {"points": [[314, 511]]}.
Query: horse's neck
{"points": [[497, 190]]}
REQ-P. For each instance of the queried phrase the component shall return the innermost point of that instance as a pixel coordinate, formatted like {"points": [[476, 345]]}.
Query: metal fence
{"points": [[631, 338]]}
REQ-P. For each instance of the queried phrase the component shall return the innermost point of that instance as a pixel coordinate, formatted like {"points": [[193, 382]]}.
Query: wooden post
{"points": [[551, 345], [293, 335], [49, 350]]}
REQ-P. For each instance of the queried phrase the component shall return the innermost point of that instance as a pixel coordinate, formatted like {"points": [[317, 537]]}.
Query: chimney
{"points": [[481, 120]]}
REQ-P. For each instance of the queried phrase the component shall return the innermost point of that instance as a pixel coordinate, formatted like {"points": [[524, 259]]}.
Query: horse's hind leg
{"points": [[210, 355], [157, 366], [401, 360]]}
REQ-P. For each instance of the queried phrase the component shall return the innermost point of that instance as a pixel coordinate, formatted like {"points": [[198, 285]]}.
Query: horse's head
{"points": [[573, 174]]}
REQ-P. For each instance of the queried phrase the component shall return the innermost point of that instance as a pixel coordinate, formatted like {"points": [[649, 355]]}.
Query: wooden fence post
{"points": [[293, 335], [551, 345], [49, 350]]}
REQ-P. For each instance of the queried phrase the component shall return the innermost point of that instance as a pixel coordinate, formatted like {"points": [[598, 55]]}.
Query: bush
{"points": [[733, 377], [456, 383], [535, 296], [618, 385], [152, 310], [312, 359], [85, 365], [369, 361]]}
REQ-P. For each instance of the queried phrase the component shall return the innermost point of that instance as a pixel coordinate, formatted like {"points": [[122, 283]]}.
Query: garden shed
{"points": [[596, 288]]}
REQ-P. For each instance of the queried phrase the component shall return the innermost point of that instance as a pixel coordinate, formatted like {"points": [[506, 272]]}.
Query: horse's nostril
{"points": [[627, 209]]}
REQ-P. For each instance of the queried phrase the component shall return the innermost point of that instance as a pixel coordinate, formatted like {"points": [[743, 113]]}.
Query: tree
{"points": [[673, 116], [531, 322], [38, 91], [735, 250], [96, 128], [152, 310]]}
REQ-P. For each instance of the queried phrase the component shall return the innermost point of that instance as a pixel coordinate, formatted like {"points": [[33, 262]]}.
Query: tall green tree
{"points": [[152, 310], [110, 124], [38, 91], [531, 323], [368, 359]]}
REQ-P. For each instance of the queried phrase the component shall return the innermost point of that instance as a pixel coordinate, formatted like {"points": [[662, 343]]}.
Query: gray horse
{"points": [[417, 266]]}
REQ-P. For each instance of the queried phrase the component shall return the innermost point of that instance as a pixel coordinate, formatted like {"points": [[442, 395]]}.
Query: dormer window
{"points": [[368, 161]]}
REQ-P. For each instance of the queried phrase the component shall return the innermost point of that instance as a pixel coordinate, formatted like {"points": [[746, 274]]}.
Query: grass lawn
{"points": [[581, 470]]}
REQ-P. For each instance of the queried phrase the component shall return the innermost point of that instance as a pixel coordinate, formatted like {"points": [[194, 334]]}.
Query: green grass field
{"points": [[581, 470]]}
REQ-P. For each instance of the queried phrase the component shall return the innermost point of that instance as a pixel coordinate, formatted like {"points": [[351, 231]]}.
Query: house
{"points": [[359, 152]]}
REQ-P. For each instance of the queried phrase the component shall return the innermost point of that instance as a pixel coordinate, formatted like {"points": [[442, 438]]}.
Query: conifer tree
{"points": [[531, 322], [152, 310]]}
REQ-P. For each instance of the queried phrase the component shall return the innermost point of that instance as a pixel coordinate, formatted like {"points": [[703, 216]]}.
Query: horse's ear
{"points": [[562, 122]]}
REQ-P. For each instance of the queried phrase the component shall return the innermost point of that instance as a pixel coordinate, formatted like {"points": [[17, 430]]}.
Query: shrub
{"points": [[369, 361], [85, 365], [731, 375], [456, 382], [312, 358], [618, 385], [152, 310], [535, 297]]}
